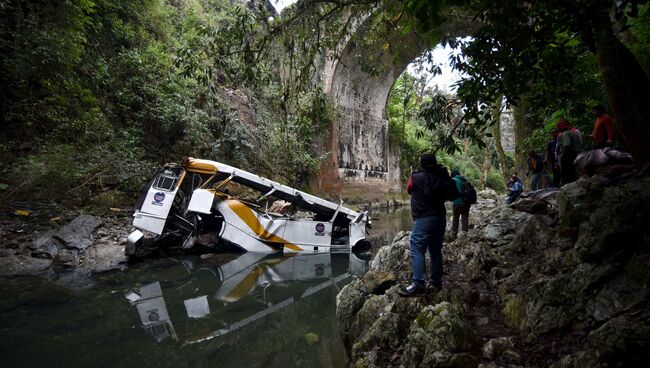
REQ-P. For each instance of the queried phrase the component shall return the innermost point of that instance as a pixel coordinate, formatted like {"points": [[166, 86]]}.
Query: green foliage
{"points": [[416, 128], [92, 93]]}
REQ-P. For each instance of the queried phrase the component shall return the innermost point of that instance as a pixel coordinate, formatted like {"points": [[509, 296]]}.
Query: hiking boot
{"points": [[434, 285], [411, 290]]}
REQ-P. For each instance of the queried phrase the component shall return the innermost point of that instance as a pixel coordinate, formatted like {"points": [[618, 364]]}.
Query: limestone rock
{"points": [[497, 346], [487, 193], [79, 232], [438, 334], [377, 282], [394, 257], [623, 340], [373, 308], [382, 334], [104, 257], [348, 302]]}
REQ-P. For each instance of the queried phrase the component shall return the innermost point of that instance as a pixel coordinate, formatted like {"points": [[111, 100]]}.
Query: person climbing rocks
{"points": [[604, 129], [514, 188], [569, 145], [429, 189], [535, 169], [550, 159], [460, 207]]}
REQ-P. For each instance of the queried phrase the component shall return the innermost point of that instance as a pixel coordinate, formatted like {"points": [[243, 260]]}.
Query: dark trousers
{"points": [[567, 168], [460, 211], [556, 176]]}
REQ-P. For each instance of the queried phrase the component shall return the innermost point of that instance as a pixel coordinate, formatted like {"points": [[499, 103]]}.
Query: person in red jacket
{"points": [[604, 130]]}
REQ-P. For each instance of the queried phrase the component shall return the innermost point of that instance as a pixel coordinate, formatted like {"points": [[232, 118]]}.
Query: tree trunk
{"points": [[523, 129], [496, 133], [485, 169], [627, 87]]}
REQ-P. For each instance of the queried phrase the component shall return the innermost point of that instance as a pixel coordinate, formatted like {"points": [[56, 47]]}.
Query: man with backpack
{"points": [[429, 189], [462, 205]]}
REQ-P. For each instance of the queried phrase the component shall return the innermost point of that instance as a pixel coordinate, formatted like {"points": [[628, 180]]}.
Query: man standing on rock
{"points": [[429, 189]]}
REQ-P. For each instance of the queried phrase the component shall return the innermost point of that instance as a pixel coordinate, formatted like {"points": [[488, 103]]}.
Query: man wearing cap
{"points": [[429, 189], [569, 144]]}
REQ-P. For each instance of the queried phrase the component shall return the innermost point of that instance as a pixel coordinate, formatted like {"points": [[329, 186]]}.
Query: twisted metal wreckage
{"points": [[190, 204]]}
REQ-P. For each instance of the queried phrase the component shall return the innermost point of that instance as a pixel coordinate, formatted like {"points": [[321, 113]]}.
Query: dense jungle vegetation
{"points": [[94, 94]]}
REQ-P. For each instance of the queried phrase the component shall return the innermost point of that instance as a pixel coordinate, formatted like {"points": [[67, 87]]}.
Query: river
{"points": [[228, 310]]}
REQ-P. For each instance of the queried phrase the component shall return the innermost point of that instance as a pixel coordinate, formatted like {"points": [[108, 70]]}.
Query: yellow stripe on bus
{"points": [[250, 219]]}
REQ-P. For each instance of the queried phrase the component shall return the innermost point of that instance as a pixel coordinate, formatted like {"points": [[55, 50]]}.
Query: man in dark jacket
{"points": [[429, 189]]}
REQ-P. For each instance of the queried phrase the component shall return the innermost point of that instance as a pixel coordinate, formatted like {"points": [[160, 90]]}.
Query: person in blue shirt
{"points": [[514, 189], [459, 207]]}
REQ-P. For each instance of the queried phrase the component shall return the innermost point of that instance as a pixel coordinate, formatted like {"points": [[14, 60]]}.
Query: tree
{"points": [[520, 44]]}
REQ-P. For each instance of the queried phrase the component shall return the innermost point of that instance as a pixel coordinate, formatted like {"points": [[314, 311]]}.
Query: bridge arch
{"points": [[363, 161]]}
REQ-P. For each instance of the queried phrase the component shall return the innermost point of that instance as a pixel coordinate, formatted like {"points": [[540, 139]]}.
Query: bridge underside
{"points": [[363, 162]]}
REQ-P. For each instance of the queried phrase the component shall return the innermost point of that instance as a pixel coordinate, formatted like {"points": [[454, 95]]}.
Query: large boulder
{"points": [[78, 233], [441, 337]]}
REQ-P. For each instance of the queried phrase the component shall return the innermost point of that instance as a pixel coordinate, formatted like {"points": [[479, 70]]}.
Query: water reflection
{"points": [[232, 310], [270, 282], [387, 223]]}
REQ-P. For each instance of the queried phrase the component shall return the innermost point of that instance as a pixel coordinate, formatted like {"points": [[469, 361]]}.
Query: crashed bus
{"points": [[190, 204]]}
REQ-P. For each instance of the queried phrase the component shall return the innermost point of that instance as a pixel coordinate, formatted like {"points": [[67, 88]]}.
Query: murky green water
{"points": [[232, 310]]}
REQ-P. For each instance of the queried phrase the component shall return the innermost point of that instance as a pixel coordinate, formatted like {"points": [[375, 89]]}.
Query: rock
{"points": [[623, 341], [373, 308], [394, 257], [23, 265], [46, 246], [78, 233], [377, 282], [281, 207], [531, 205], [5, 252], [488, 194], [104, 257], [348, 302], [451, 360], [381, 335], [497, 346], [368, 360], [440, 336], [573, 282], [581, 359], [68, 258]]}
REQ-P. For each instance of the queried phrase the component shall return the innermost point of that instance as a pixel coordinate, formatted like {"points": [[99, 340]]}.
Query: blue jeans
{"points": [[428, 234]]}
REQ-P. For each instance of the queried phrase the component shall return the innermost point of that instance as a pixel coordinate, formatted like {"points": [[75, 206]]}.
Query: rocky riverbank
{"points": [[67, 252], [563, 286]]}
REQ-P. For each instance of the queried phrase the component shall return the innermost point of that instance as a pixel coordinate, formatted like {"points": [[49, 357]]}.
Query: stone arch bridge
{"points": [[363, 162]]}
